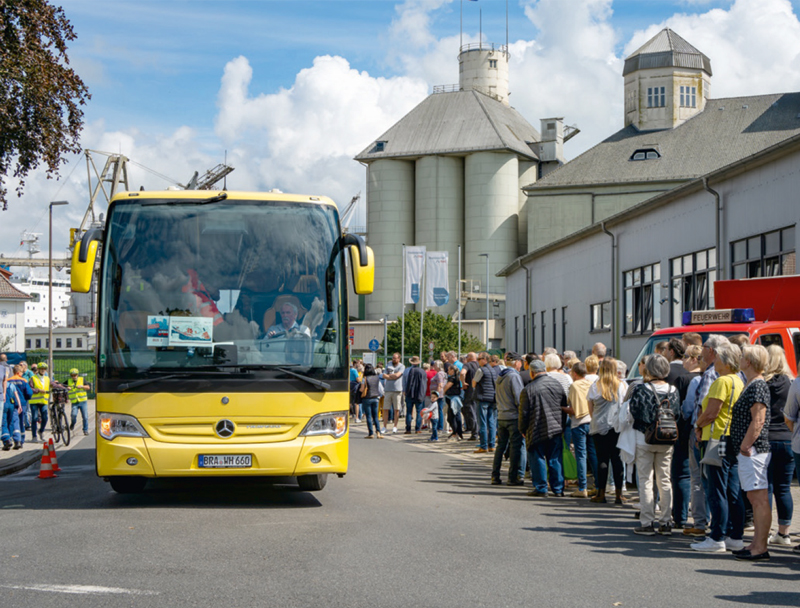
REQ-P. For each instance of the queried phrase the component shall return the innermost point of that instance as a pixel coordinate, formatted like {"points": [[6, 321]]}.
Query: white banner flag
{"points": [[415, 266], [436, 284]]}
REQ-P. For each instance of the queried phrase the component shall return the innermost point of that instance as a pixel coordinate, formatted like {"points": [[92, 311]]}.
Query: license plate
{"points": [[225, 461]]}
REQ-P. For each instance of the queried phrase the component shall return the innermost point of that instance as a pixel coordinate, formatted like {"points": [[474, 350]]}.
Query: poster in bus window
{"points": [[191, 331], [157, 331]]}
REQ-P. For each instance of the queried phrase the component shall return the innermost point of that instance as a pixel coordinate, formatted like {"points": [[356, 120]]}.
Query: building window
{"points": [[516, 334], [688, 97], [79, 342], [36, 297], [656, 97], [47, 343], [645, 154], [27, 343], [555, 331], [380, 146], [58, 342], [693, 277], [38, 343], [766, 255], [533, 331], [69, 342], [493, 63], [600, 316], [563, 328], [642, 299], [524, 333], [544, 329]]}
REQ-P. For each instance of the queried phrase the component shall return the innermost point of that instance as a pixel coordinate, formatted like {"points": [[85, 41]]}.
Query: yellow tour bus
{"points": [[222, 345]]}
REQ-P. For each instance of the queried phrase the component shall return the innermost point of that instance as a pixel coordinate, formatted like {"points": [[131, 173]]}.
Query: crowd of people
{"points": [[709, 432], [25, 397]]}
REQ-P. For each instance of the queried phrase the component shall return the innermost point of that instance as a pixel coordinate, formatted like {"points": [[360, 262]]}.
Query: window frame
{"points": [[761, 260], [689, 277], [643, 296], [602, 328]]}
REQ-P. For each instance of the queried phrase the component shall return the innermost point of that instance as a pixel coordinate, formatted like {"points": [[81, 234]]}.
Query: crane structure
{"points": [[348, 214]]}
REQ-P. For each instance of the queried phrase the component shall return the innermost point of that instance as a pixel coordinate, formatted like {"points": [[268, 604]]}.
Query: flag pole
{"points": [[403, 315], [459, 302], [423, 295]]}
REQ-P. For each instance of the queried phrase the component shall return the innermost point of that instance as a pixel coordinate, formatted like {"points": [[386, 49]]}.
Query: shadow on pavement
{"points": [[764, 598], [78, 487]]}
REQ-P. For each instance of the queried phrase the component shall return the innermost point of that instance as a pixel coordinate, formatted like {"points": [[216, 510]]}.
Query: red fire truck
{"points": [[766, 309]]}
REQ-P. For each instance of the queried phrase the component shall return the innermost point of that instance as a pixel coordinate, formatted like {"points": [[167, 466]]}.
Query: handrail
{"points": [[482, 46]]}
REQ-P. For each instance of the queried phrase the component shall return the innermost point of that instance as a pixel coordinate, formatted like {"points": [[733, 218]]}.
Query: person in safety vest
{"points": [[77, 397], [24, 392], [205, 303], [40, 384]]}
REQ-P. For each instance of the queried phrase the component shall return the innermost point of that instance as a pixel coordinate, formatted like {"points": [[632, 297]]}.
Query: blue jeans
{"points": [[780, 472], [441, 414], [10, 427], [84, 409], [368, 406], [508, 435], [38, 415], [699, 502], [487, 423], [725, 501], [413, 404], [680, 474], [543, 456], [584, 452]]}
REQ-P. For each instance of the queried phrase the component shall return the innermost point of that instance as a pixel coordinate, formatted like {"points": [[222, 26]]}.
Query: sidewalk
{"points": [[31, 452]]}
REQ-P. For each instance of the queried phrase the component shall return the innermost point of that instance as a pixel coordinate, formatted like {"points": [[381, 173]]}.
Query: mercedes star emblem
{"points": [[225, 428]]}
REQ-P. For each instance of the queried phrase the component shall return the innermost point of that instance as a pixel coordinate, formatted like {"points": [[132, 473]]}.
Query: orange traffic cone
{"points": [[53, 458], [46, 467]]}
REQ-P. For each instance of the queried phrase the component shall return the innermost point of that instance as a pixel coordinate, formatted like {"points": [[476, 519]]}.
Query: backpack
{"points": [[664, 429]]}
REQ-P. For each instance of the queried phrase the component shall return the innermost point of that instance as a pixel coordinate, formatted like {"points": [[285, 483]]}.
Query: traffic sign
{"points": [[374, 345], [430, 346]]}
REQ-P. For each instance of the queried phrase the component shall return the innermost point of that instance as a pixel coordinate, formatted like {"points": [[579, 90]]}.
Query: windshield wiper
{"points": [[183, 374], [181, 201], [250, 366]]}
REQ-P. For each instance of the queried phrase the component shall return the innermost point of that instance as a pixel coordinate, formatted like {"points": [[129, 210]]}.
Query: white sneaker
{"points": [[734, 545], [709, 546], [383, 431], [777, 538], [394, 431]]}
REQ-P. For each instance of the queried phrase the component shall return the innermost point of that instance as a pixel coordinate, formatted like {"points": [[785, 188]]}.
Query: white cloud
{"points": [[302, 137]]}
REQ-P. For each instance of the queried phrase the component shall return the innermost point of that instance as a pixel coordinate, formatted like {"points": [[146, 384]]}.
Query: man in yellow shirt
{"points": [[580, 419]]}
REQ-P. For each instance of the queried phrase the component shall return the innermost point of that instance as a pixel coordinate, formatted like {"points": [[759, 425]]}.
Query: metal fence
{"points": [[84, 362]]}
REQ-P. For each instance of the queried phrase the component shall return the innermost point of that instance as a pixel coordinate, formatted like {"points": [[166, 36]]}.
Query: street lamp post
{"points": [[50, 293], [486, 255]]}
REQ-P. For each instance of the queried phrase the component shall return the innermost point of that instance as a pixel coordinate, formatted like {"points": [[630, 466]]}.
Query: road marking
{"points": [[80, 589], [13, 506]]}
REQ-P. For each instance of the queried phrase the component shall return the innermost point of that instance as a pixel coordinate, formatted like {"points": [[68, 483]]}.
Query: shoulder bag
{"points": [[716, 449]]}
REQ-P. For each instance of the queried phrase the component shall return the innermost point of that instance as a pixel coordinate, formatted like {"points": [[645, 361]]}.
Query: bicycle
{"points": [[59, 424]]}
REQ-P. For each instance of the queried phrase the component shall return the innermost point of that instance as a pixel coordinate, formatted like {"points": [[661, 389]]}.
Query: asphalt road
{"points": [[412, 524]]}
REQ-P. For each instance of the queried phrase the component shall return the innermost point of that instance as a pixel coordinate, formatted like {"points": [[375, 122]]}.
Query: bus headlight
{"points": [[331, 423], [119, 425]]}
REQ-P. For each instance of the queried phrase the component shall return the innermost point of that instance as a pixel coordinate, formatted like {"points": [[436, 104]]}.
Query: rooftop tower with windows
{"points": [[667, 82]]}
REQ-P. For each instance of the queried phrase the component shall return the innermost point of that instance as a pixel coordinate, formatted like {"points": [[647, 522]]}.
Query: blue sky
{"points": [[292, 90]]}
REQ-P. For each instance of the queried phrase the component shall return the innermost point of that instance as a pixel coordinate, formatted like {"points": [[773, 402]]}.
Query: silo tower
{"points": [[483, 67]]}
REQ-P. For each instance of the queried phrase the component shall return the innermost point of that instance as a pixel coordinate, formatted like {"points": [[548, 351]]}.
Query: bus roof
{"points": [[232, 195]]}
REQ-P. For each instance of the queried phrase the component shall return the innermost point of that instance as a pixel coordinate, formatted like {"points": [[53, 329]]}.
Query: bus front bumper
{"points": [[147, 457]]}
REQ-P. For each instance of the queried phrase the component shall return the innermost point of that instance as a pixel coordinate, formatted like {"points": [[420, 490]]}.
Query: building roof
{"points": [[727, 130], [790, 145], [9, 292], [666, 49], [455, 123]]}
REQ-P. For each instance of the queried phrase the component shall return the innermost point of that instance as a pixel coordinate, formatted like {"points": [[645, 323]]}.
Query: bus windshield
{"points": [[191, 287]]}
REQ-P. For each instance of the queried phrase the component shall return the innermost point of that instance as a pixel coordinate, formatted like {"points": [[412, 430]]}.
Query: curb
{"points": [[19, 463]]}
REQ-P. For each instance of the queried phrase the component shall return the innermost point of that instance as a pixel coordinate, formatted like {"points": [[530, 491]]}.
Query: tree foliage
{"points": [[40, 95], [437, 328]]}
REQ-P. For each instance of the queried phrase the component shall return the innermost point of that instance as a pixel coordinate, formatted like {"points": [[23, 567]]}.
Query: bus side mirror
{"points": [[363, 270], [84, 255]]}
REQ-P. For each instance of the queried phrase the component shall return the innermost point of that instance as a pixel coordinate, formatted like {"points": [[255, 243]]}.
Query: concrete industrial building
{"points": [[449, 174], [637, 228]]}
